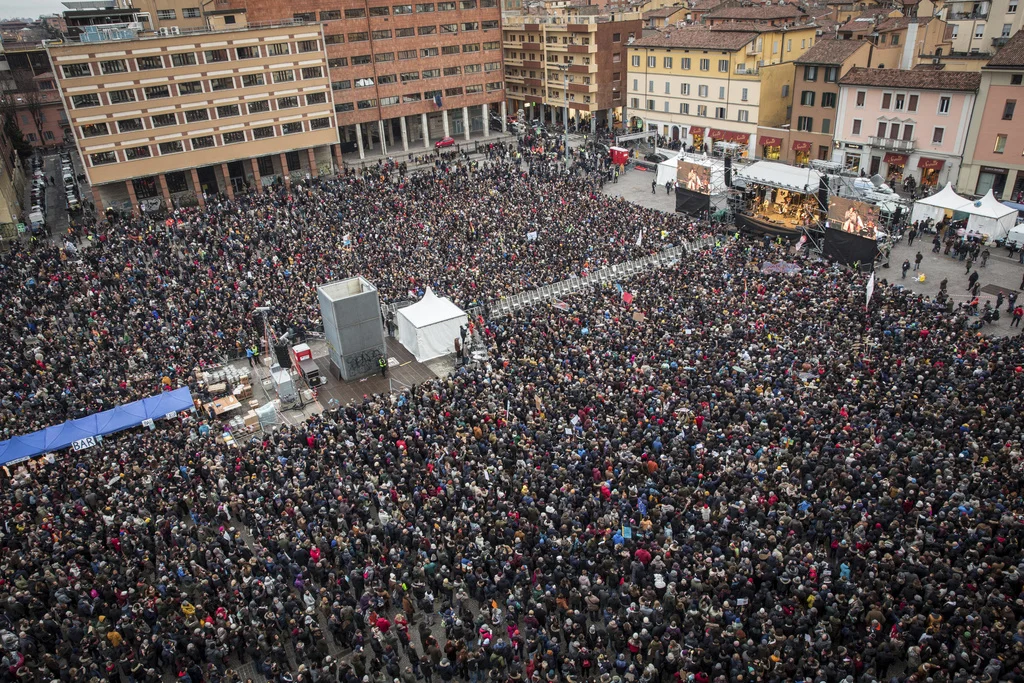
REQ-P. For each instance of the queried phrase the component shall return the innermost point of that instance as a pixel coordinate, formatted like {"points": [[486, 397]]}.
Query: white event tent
{"points": [[987, 216], [429, 328]]}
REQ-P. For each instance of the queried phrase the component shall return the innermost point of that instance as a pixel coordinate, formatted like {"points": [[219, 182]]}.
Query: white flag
{"points": [[870, 290], [640, 237]]}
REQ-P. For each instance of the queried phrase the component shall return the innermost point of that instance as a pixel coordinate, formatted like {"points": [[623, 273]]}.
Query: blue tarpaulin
{"points": [[109, 421]]}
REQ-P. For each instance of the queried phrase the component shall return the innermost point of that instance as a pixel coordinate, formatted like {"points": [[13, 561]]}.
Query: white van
{"points": [[1015, 236]]}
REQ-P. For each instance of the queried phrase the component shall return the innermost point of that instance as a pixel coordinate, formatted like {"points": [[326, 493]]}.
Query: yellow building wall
{"points": [[775, 107]]}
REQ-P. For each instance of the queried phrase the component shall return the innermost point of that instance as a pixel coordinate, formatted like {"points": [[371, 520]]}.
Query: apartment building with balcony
{"points": [[39, 110], [994, 154], [900, 123], [578, 64], [982, 26], [815, 98], [714, 84], [404, 73], [161, 120]]}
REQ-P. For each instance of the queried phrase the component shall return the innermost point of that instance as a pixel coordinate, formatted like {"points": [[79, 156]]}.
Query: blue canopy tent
{"points": [[109, 421]]}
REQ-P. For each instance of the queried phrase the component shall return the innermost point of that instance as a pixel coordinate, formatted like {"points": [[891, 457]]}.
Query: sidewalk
{"points": [[416, 149]]}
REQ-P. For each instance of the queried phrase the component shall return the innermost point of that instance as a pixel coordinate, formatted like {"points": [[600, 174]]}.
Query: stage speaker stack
{"points": [[728, 171], [823, 193], [352, 325], [284, 359]]}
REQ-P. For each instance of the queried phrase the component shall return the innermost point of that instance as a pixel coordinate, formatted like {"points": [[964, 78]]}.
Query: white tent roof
{"points": [[431, 309], [946, 198], [990, 207], [803, 180]]}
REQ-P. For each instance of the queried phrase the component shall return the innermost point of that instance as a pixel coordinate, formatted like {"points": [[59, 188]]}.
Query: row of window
{"points": [[410, 98], [171, 15], [830, 74], [410, 32], [742, 115], [409, 76], [383, 57], [902, 101], [808, 98], [685, 63], [897, 131], [686, 90], [207, 141], [179, 59], [156, 92], [396, 10], [198, 115], [806, 124]]}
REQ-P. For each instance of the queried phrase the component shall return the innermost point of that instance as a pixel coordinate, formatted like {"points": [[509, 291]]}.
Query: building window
{"points": [[446, 7], [93, 129], [402, 9], [316, 98], [226, 83], [651, 105], [785, 90], [229, 19], [652, 62], [744, 95], [895, 39], [861, 97], [355, 13], [1000, 146], [937, 134], [304, 17], [172, 147], [1012, 9], [233, 137], [912, 103], [810, 73], [944, 102], [471, 47], [149, 63], [129, 125], [494, 66], [197, 115], [887, 100], [190, 88], [380, 11], [1008, 108], [979, 31], [831, 74], [450, 50], [489, 25], [258, 106], [337, 62], [684, 108], [262, 133], [312, 72], [650, 86], [183, 59], [855, 129], [721, 92], [719, 112], [666, 63], [451, 92], [743, 116], [190, 13], [470, 26], [379, 58], [288, 102], [702, 110], [203, 142], [155, 92], [702, 91], [113, 66], [383, 34], [277, 49], [121, 96], [247, 52], [227, 110], [723, 66], [828, 100], [684, 63], [826, 126], [309, 45], [431, 73], [334, 39], [76, 70], [133, 153], [162, 120], [805, 123], [635, 60], [293, 127], [320, 124], [493, 45], [252, 80], [101, 158], [705, 65], [285, 76], [83, 101], [634, 102], [214, 56], [453, 71], [166, 15], [341, 85], [330, 15]]}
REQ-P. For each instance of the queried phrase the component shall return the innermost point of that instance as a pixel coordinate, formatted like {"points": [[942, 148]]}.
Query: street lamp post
{"points": [[565, 106]]}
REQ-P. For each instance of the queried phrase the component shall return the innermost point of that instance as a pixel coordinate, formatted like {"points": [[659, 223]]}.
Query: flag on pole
{"points": [[640, 237], [437, 100], [870, 290]]}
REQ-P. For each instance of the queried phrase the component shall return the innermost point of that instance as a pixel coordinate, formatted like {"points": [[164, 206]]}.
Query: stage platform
{"points": [[760, 226], [407, 372]]}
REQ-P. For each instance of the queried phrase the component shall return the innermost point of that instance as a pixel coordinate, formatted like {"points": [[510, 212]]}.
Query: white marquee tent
{"points": [[991, 217], [936, 205], [429, 328]]}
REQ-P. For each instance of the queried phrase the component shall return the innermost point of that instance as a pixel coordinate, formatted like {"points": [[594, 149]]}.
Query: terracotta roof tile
{"points": [[1011, 54], [698, 38], [831, 51], [664, 12], [763, 13], [912, 80]]}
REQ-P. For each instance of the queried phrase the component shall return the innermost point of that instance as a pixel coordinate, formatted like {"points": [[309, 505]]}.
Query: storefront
{"points": [[991, 178], [771, 147], [930, 169], [698, 137], [803, 153], [732, 137], [896, 164]]}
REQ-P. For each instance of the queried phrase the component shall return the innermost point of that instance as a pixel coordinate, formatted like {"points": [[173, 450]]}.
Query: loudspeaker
{"points": [[823, 193], [284, 359], [728, 171]]}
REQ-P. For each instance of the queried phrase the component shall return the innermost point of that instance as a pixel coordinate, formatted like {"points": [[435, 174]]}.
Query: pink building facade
{"points": [[900, 124]]}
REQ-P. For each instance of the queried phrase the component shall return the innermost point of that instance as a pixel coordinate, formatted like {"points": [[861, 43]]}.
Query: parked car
{"points": [[655, 158], [447, 141]]}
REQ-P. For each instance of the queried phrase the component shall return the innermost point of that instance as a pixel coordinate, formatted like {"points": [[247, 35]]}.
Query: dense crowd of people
{"points": [[739, 476], [85, 329]]}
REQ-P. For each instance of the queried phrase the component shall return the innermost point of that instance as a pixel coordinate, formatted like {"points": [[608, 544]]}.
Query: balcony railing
{"points": [[961, 16], [893, 144], [1000, 41]]}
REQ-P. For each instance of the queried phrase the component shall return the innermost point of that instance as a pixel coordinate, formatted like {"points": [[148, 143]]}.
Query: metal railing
{"points": [[893, 143]]}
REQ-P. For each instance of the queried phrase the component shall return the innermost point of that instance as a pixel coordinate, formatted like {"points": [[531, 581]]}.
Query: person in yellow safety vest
{"points": [[383, 363]]}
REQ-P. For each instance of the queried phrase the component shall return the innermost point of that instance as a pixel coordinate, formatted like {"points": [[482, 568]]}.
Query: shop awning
{"points": [[769, 141], [895, 159], [697, 130], [930, 164], [728, 135], [801, 146]]}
